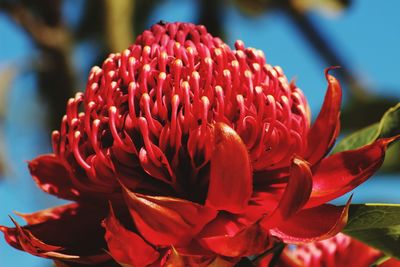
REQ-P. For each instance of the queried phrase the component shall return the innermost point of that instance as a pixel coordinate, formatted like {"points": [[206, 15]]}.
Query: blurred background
{"points": [[47, 48]]}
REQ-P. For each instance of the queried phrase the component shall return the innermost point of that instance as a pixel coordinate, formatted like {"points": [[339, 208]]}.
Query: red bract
{"points": [[205, 155], [340, 250]]}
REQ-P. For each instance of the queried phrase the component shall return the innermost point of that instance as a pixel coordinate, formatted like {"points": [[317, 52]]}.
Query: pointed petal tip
{"points": [[322, 134], [352, 166], [328, 69], [295, 196], [314, 224]]}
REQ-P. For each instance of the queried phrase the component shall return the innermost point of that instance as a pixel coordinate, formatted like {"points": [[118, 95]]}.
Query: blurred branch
{"points": [[119, 24], [142, 11], [210, 16], [363, 107], [42, 21], [42, 34], [323, 46], [7, 75]]}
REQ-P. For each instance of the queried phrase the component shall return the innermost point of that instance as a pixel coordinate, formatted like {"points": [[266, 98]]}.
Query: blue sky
{"points": [[367, 35]]}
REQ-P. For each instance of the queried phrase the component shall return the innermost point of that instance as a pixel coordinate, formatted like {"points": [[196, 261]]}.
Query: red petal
{"points": [[70, 232], [165, 220], [295, 196], [160, 170], [125, 246], [342, 172], [325, 129], [313, 224], [230, 185], [53, 176], [228, 236]]}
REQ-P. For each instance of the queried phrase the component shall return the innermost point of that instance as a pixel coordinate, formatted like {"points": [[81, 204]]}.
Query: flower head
{"points": [[340, 250], [196, 152]]}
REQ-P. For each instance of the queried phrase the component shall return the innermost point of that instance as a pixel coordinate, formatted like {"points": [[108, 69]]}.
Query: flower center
{"points": [[151, 107]]}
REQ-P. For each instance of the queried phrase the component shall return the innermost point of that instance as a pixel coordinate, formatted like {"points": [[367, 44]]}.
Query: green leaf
{"points": [[380, 261], [388, 126], [377, 225]]}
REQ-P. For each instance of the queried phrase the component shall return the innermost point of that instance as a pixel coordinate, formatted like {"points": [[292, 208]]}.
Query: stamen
{"points": [[123, 70], [114, 132], [242, 110], [131, 68], [194, 85], [219, 58], [143, 80], [205, 108], [270, 102], [95, 143], [239, 45], [146, 140], [71, 109], [188, 117], [88, 115], [190, 56], [177, 51], [55, 141], [77, 153], [286, 109], [257, 73], [63, 132], [146, 54], [145, 103], [177, 68], [260, 98], [162, 61], [228, 84], [162, 110], [174, 113], [221, 105], [131, 100], [249, 93], [235, 77], [208, 91]]}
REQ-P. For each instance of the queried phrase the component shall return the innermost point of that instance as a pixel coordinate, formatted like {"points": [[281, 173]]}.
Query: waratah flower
{"points": [[340, 250], [182, 149]]}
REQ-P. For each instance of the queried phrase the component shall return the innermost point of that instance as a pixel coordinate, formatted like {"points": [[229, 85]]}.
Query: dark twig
{"points": [[209, 13], [323, 46], [42, 21]]}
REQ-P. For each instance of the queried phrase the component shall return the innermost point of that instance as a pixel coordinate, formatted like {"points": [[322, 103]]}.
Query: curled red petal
{"points": [[325, 129], [342, 172], [313, 224], [167, 220], [53, 176], [162, 171], [295, 196], [230, 185], [230, 236], [71, 232], [125, 246]]}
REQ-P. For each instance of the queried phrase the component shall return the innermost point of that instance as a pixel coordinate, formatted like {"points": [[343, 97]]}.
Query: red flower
{"points": [[205, 154], [340, 250]]}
